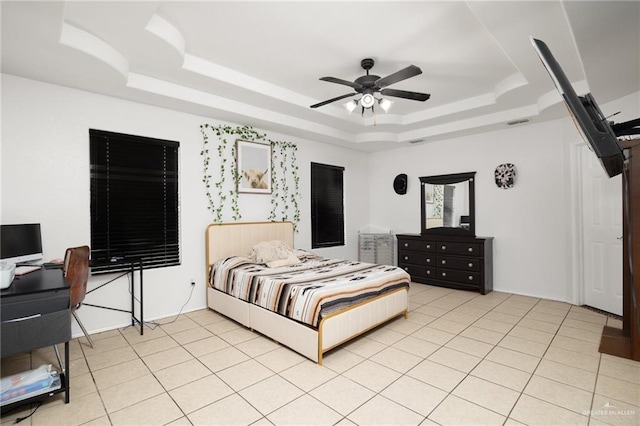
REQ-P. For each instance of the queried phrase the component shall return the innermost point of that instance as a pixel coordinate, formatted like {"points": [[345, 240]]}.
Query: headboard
{"points": [[238, 238]]}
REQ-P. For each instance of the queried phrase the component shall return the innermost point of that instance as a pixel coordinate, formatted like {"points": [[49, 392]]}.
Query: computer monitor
{"points": [[20, 243]]}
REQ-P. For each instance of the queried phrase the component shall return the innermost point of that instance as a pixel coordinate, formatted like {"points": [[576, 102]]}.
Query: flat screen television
{"points": [[586, 114], [20, 243]]}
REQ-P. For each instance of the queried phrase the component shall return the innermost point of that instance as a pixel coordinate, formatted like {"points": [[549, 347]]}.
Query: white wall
{"points": [[528, 222], [45, 179]]}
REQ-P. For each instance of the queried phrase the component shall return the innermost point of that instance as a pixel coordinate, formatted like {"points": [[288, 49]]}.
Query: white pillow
{"points": [[268, 251], [303, 254], [291, 260]]}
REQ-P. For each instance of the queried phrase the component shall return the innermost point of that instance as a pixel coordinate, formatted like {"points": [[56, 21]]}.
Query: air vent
{"points": [[514, 122]]}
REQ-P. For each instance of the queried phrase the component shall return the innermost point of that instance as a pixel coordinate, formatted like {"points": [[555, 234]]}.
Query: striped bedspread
{"points": [[308, 291]]}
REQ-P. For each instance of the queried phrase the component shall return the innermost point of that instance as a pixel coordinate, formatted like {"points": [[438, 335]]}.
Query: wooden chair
{"points": [[76, 271]]}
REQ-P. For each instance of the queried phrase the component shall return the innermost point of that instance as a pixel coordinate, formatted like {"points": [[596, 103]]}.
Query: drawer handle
{"points": [[406, 244], [406, 268], [470, 277], [444, 274], [428, 246], [470, 249], [444, 262], [428, 260], [406, 258], [471, 265], [428, 272], [444, 247]]}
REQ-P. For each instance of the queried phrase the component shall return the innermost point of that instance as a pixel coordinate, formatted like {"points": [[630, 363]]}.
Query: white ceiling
{"points": [[259, 63]]}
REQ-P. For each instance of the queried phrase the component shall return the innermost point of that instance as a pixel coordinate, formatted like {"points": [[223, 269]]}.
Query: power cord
{"points": [[19, 419], [154, 324]]}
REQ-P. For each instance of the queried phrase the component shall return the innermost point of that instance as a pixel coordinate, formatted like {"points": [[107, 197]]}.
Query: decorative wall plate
{"points": [[505, 175]]}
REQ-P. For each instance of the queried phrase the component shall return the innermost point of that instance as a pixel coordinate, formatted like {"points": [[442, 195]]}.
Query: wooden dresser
{"points": [[448, 261]]}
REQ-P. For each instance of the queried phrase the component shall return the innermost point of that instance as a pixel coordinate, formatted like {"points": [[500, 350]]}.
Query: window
{"points": [[327, 206], [134, 201]]}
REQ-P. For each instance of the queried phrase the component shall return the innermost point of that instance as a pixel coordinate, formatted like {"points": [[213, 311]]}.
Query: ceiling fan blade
{"points": [[333, 100], [341, 81], [414, 96], [403, 74]]}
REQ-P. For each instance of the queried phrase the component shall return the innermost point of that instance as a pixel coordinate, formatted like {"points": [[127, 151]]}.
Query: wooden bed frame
{"points": [[231, 239]]}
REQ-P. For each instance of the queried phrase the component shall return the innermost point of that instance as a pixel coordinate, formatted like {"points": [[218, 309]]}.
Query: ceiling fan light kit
{"points": [[368, 85], [351, 105], [367, 100], [385, 104]]}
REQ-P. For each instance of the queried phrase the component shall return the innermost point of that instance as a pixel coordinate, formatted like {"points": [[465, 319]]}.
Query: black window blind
{"points": [[327, 205], [134, 201]]}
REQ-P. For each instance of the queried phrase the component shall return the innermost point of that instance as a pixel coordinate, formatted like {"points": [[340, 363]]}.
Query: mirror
{"points": [[448, 204]]}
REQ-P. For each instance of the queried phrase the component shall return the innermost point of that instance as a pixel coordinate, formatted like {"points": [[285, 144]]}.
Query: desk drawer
{"points": [[25, 305], [37, 332]]}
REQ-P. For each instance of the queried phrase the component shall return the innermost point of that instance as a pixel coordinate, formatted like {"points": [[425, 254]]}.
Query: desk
{"points": [[35, 314]]}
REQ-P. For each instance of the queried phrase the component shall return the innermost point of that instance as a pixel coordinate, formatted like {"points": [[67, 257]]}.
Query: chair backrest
{"points": [[76, 271]]}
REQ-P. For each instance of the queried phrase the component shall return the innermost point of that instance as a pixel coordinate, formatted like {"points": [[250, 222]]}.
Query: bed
{"points": [[227, 245]]}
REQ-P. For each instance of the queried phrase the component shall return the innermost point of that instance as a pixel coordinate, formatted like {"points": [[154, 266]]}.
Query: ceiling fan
{"points": [[368, 85]]}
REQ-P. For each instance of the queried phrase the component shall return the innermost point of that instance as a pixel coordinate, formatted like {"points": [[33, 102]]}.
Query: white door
{"points": [[602, 238]]}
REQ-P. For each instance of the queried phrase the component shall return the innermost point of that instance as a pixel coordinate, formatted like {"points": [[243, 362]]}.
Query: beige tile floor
{"points": [[459, 358]]}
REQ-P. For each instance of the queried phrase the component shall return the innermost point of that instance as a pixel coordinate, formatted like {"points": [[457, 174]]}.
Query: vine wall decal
{"points": [[221, 184], [285, 183]]}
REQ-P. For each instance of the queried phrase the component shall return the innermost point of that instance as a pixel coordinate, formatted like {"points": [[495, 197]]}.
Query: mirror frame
{"points": [[443, 180]]}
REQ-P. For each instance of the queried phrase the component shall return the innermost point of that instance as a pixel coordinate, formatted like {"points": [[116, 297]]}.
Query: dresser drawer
{"points": [[463, 277], [417, 245], [467, 249], [419, 271], [416, 258], [462, 263]]}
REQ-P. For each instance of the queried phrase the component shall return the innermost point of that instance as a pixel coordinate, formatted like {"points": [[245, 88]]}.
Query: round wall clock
{"points": [[505, 175]]}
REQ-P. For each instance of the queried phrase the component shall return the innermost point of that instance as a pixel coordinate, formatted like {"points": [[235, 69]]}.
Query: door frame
{"points": [[576, 294]]}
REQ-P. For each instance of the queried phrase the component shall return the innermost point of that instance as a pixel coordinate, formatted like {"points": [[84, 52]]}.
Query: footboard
{"points": [[344, 325], [335, 329]]}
